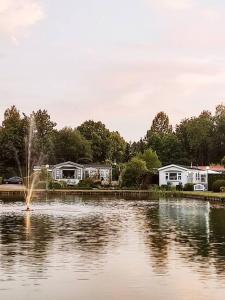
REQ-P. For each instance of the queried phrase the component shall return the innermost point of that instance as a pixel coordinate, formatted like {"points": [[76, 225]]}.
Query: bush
{"points": [[214, 177], [87, 183], [1, 180], [40, 185], [55, 185], [133, 172], [166, 187], [179, 187], [189, 187], [63, 184], [216, 186]]}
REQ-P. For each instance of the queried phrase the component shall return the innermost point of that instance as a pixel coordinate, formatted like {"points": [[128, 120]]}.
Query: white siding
{"points": [[172, 169], [187, 176]]}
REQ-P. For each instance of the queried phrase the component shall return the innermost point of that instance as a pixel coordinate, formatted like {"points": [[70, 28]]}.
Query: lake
{"points": [[98, 249]]}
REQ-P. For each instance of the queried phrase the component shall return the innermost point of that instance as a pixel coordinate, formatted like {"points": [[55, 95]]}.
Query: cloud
{"points": [[17, 16], [172, 4]]}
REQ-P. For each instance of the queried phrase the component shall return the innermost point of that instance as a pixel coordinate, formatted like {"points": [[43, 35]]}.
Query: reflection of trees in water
{"points": [[217, 239], [24, 241], [156, 237], [30, 239], [197, 232]]}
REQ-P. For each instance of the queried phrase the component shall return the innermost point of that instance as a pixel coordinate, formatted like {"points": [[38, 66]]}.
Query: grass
{"points": [[205, 194]]}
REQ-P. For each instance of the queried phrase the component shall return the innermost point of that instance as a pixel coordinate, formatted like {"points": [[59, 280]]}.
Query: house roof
{"points": [[185, 168], [211, 169], [96, 166], [68, 163], [216, 168]]}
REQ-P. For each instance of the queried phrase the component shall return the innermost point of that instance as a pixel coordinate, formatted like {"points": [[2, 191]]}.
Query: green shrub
{"points": [[154, 187], [216, 186], [214, 177], [87, 183], [1, 180], [55, 185], [167, 187], [179, 187], [40, 185], [189, 187], [133, 172], [63, 184]]}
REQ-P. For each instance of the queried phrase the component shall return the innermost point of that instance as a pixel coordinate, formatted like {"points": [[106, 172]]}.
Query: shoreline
{"points": [[130, 194]]}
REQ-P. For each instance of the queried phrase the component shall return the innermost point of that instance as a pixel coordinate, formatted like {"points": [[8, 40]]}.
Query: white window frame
{"points": [[177, 178]]}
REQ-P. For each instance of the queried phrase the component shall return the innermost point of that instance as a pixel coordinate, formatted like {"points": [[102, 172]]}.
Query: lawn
{"points": [[206, 194]]}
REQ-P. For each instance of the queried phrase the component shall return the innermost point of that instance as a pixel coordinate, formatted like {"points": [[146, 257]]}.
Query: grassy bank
{"points": [[204, 195]]}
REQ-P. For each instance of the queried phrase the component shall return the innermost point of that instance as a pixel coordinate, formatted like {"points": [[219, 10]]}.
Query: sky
{"points": [[119, 61]]}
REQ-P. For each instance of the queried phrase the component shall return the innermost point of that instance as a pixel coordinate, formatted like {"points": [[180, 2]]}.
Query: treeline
{"points": [[198, 140]]}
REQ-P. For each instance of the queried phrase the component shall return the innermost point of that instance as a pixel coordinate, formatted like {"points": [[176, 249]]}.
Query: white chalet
{"points": [[72, 173], [176, 175]]}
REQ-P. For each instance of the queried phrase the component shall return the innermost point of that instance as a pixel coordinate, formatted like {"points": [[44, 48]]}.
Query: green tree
{"points": [[133, 172], [160, 124], [218, 136], [127, 152], [117, 147], [12, 145], [99, 137], [151, 159], [70, 145], [43, 139], [195, 135]]}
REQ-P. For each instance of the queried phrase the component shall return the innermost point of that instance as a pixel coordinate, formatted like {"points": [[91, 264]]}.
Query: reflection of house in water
{"points": [[186, 216], [195, 229], [186, 225], [190, 220]]}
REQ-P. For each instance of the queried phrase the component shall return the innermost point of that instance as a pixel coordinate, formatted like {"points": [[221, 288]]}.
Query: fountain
{"points": [[30, 181]]}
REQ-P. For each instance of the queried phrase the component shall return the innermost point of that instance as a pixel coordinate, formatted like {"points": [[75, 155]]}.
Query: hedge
{"points": [[217, 185], [214, 177]]}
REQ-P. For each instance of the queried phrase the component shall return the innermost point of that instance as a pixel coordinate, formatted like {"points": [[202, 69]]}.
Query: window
{"points": [[79, 174], [203, 178], [197, 175], [68, 174], [58, 174], [173, 176]]}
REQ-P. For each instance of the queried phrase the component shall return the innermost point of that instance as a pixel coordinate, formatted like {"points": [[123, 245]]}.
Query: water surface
{"points": [[83, 248]]}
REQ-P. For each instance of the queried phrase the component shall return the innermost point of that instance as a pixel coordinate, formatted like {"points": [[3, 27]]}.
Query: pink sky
{"points": [[119, 62]]}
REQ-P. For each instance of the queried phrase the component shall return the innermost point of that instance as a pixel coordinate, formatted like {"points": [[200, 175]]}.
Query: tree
{"points": [[12, 145], [99, 137], [43, 139], [195, 135], [218, 136], [160, 124], [132, 174], [117, 147], [70, 145], [151, 159], [127, 152]]}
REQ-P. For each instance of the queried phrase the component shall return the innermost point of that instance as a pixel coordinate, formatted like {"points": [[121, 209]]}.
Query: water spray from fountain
{"points": [[30, 181]]}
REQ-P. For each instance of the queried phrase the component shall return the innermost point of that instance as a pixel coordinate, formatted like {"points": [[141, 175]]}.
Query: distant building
{"points": [[72, 173], [180, 175]]}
